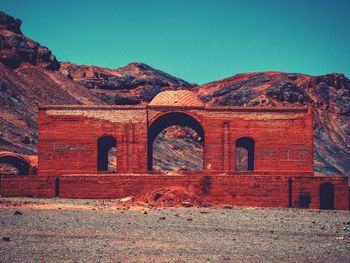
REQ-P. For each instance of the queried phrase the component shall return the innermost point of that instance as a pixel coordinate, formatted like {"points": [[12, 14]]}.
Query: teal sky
{"points": [[199, 41]]}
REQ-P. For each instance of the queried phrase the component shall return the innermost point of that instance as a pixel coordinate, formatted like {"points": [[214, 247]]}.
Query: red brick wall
{"points": [[283, 140], [236, 190], [68, 137], [310, 186], [68, 143], [243, 190], [27, 186]]}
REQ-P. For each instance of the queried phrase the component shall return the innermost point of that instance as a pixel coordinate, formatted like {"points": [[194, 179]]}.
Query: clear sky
{"points": [[197, 40]]}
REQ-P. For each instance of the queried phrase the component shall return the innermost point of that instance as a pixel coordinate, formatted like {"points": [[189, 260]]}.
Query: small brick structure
{"points": [[278, 141]]}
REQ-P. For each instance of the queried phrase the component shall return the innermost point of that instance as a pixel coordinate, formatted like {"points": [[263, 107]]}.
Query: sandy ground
{"points": [[63, 230]]}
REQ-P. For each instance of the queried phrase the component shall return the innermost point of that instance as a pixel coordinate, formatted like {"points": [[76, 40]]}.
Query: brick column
{"points": [[226, 148]]}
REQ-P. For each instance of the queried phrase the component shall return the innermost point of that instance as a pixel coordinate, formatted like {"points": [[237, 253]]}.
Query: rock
{"points": [[288, 92], [340, 238], [25, 140], [228, 206], [162, 218], [157, 196], [18, 213], [46, 59], [11, 60], [6, 239], [126, 199], [125, 100], [15, 48], [186, 204], [10, 23]]}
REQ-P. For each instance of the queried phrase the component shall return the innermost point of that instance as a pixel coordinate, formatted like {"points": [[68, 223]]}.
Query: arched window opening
{"points": [[11, 165], [175, 143], [106, 154], [245, 154], [327, 196]]}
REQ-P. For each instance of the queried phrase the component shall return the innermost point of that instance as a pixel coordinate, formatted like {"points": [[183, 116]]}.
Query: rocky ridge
{"points": [[328, 95]]}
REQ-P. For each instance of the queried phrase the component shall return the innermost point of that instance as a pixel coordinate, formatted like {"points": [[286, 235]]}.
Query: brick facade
{"points": [[282, 173], [68, 137]]}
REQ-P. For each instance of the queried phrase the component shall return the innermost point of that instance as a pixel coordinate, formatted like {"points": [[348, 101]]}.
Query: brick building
{"points": [[276, 143]]}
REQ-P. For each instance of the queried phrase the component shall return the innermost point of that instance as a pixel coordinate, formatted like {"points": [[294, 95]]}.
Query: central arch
{"points": [[165, 121], [10, 164]]}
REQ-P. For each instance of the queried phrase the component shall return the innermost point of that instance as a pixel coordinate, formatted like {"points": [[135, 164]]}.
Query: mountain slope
{"points": [[30, 76], [328, 95], [132, 84]]}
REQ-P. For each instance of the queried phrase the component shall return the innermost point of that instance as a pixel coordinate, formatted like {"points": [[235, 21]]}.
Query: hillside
{"points": [[328, 95], [30, 76]]}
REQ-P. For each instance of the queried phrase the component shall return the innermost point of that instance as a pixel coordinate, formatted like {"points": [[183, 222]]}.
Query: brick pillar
{"points": [[226, 149], [123, 150], [130, 139]]}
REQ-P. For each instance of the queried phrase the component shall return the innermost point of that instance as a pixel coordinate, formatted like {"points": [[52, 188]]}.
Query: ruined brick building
{"points": [[276, 142]]}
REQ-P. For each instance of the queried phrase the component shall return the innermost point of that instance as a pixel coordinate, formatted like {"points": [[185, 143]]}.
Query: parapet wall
{"points": [[239, 190]]}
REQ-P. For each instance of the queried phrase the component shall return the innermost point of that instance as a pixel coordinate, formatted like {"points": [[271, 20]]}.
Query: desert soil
{"points": [[63, 230]]}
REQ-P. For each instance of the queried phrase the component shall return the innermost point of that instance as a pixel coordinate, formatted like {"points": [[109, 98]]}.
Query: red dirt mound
{"points": [[175, 196]]}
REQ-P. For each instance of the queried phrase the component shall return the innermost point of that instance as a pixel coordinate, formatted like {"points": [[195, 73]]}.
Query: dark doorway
{"points": [[175, 142], [11, 165], [245, 154], [106, 154], [327, 196]]}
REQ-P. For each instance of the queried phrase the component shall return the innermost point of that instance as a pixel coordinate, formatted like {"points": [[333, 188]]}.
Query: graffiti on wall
{"points": [[64, 151], [298, 154]]}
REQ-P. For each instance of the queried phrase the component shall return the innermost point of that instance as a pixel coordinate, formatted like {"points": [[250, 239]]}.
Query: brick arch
{"points": [[184, 112], [20, 162], [104, 145], [107, 135], [247, 143], [165, 120]]}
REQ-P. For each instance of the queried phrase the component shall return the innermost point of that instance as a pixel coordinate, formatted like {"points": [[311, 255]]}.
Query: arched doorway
{"points": [[106, 154], [12, 165], [175, 142], [245, 154], [327, 196]]}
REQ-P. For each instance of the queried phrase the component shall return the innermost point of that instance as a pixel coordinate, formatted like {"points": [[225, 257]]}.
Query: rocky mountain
{"points": [[30, 75], [133, 84], [328, 95], [15, 48]]}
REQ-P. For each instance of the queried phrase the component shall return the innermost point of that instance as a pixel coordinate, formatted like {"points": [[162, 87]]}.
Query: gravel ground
{"points": [[63, 230]]}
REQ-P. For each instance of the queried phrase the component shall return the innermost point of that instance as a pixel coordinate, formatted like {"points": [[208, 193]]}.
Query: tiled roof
{"points": [[177, 98]]}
